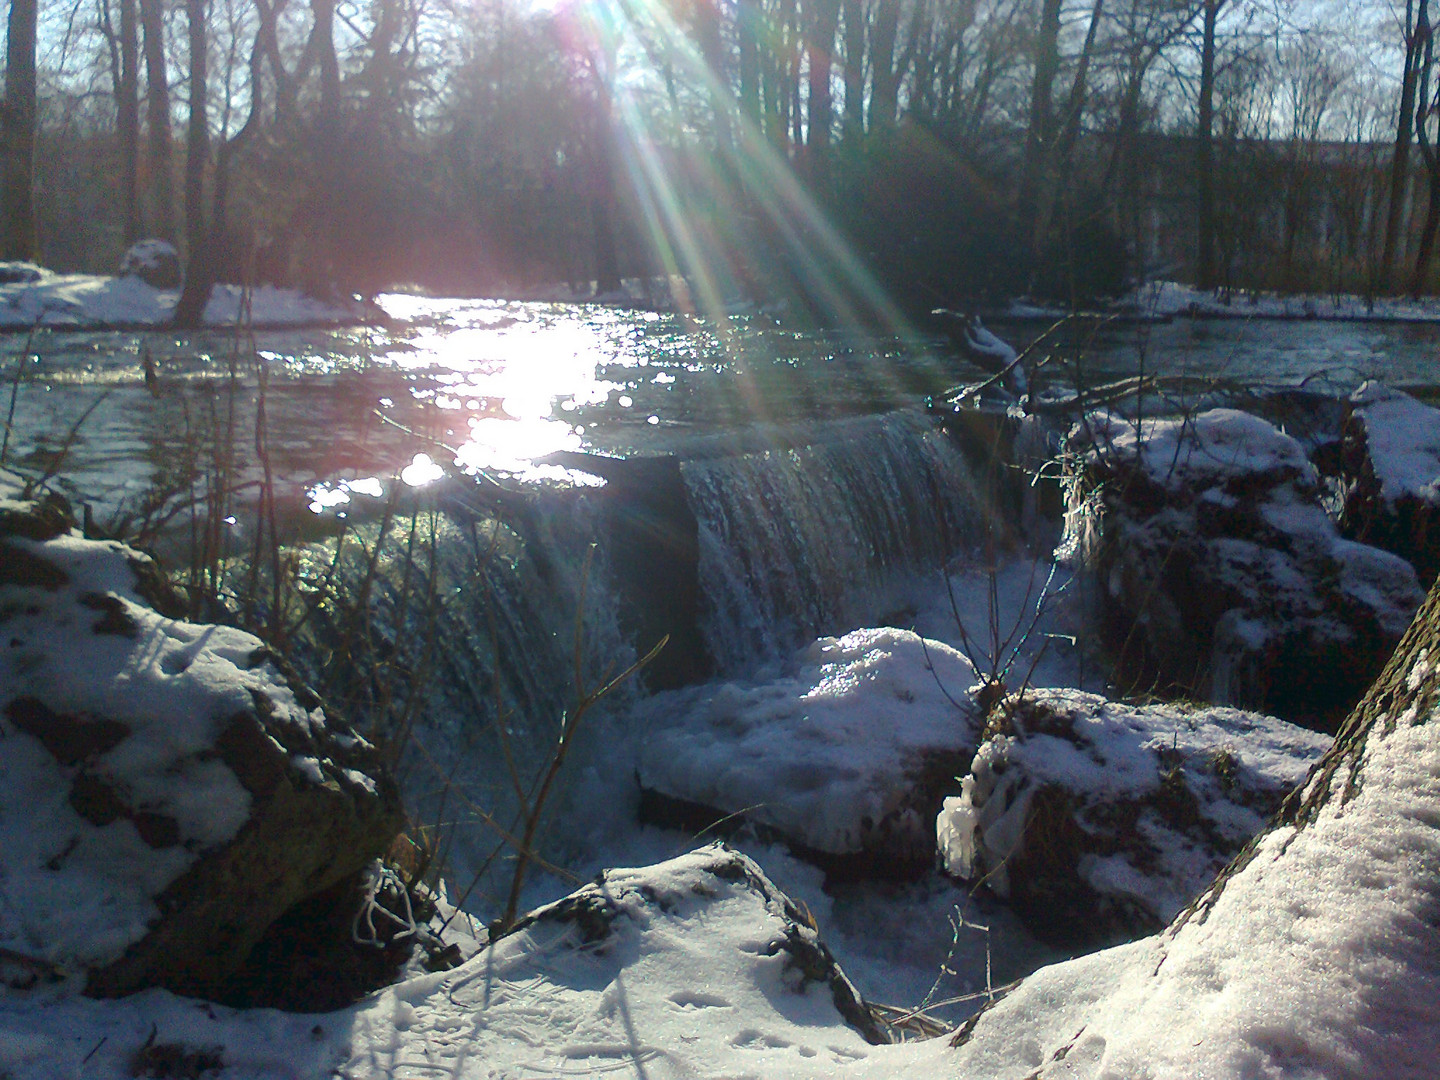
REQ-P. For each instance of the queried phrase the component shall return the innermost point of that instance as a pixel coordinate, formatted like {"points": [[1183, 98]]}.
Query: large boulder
{"points": [[1220, 574], [155, 262], [846, 758], [166, 789], [1314, 953], [1392, 461], [1097, 820]]}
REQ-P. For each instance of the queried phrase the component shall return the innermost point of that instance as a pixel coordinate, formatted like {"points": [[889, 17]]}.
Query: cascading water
{"points": [[812, 539]]}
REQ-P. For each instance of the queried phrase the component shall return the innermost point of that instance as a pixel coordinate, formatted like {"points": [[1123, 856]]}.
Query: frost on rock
{"points": [[1314, 954], [1393, 459], [1094, 817], [165, 790], [846, 759], [1221, 575]]}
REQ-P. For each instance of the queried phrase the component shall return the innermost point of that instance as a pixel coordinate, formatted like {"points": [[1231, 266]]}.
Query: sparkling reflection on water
{"points": [[495, 385]]}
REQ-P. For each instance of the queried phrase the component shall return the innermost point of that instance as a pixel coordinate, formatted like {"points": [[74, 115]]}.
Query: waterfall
{"points": [[812, 538]]}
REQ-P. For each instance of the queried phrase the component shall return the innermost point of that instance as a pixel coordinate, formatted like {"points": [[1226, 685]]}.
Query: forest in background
{"points": [[838, 151]]}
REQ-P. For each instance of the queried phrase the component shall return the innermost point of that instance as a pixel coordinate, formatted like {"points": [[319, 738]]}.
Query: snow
{"points": [[89, 301], [824, 755], [1103, 754], [154, 693], [1402, 437], [1163, 300], [1194, 452], [1171, 298], [1318, 959]]}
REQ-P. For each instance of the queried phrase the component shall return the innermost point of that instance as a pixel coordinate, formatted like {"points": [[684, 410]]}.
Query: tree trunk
{"points": [[1415, 27], [127, 121], [747, 18], [18, 134], [854, 124], [1426, 251], [324, 13], [885, 87], [1054, 160], [200, 257], [1042, 112], [821, 23], [1206, 275], [157, 121]]}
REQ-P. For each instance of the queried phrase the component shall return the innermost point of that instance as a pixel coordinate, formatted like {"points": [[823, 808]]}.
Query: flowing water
{"points": [[806, 470]]}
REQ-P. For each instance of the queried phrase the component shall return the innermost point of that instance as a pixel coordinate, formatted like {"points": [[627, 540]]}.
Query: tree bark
{"points": [[17, 131], [1039, 136], [1417, 27], [199, 255], [822, 22], [747, 17], [127, 121], [1206, 274], [885, 85], [854, 124], [157, 121]]}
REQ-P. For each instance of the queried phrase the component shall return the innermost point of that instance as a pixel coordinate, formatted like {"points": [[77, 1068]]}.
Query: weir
{"points": [[814, 538]]}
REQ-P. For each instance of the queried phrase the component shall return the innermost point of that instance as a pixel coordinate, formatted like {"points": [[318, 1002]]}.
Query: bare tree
{"points": [[1206, 272], [124, 50], [1416, 30], [159, 136], [199, 256], [18, 134]]}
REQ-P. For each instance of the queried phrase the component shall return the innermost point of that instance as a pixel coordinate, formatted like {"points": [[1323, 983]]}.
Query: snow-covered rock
{"points": [[166, 791], [1222, 576], [1393, 456], [1094, 817], [846, 759], [695, 967], [20, 273], [1315, 954], [155, 262]]}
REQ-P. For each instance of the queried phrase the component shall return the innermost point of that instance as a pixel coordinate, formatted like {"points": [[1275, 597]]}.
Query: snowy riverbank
{"points": [[1164, 300], [96, 302]]}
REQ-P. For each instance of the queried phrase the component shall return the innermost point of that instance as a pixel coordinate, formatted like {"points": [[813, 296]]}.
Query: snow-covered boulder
{"points": [[155, 262], [1314, 954], [623, 908], [1221, 575], [1393, 458], [166, 791], [1094, 817], [20, 273], [846, 759]]}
